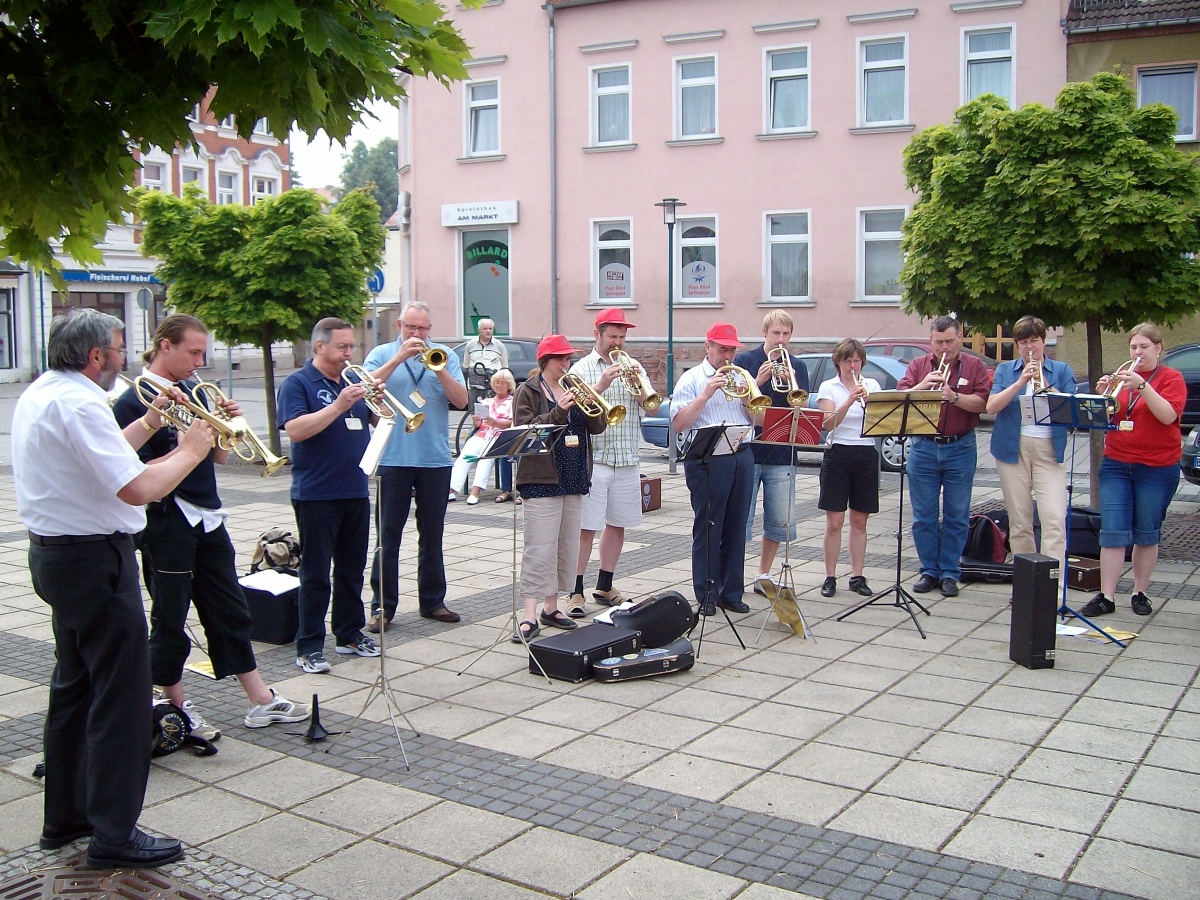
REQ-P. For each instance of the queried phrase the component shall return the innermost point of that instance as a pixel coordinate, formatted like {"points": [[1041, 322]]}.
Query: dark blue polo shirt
{"points": [[751, 361], [325, 466]]}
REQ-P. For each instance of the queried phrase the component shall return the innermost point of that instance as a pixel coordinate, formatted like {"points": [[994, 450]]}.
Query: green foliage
{"points": [[376, 169], [1084, 212], [83, 82]]}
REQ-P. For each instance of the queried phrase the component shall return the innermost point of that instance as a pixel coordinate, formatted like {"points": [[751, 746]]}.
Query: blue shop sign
{"points": [[109, 277]]}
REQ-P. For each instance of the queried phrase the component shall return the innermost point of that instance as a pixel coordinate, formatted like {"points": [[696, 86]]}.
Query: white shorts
{"points": [[615, 499]]}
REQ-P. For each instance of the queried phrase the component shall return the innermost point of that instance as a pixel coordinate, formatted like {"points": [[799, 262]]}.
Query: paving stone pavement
{"points": [[864, 762]]}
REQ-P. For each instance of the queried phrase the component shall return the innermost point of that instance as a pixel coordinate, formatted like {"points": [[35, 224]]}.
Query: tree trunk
{"points": [[269, 387], [1095, 369]]}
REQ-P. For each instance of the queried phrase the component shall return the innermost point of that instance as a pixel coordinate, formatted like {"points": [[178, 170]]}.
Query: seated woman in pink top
{"points": [[498, 418]]}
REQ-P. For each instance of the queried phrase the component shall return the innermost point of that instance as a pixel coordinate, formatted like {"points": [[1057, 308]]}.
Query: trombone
{"points": [[434, 358], [783, 376], [635, 379], [379, 400], [248, 444], [593, 405], [740, 385]]}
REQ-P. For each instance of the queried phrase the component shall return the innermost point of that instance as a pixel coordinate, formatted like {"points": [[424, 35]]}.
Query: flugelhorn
{"points": [[783, 376], [379, 400], [635, 379], [740, 385], [1114, 383], [182, 413], [248, 444], [593, 405], [434, 358]]}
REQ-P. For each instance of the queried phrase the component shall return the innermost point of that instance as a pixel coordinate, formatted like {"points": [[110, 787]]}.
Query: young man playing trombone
{"points": [[187, 556]]}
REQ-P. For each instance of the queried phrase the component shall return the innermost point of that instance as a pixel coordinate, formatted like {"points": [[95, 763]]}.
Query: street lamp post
{"points": [[669, 205]]}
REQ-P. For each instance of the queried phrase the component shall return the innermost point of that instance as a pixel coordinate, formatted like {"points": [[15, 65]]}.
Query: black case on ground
{"points": [[569, 656], [274, 617], [1034, 608], [661, 618], [677, 656]]}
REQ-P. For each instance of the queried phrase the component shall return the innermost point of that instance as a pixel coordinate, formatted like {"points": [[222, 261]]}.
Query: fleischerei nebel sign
{"points": [[493, 212]]}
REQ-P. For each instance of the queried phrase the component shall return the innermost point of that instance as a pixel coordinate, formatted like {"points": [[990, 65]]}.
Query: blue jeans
{"points": [[506, 470], [337, 532], [1133, 502], [778, 482], [939, 486]]}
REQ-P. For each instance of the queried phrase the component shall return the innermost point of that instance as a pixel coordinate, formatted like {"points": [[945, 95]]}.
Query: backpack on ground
{"points": [[985, 557], [276, 548]]}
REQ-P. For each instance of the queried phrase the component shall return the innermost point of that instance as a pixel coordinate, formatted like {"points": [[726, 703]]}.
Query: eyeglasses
{"points": [[421, 329], [124, 351], [342, 348]]}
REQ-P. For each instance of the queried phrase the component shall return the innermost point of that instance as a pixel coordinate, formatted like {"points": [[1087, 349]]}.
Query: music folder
{"points": [[523, 440], [1089, 411], [787, 425], [712, 440]]}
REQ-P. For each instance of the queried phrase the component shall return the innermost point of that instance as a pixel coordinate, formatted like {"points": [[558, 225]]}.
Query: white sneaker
{"points": [[364, 646], [314, 663], [453, 496], [200, 727], [280, 709]]}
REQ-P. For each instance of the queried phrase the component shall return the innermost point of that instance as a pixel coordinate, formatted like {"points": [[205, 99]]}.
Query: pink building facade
{"points": [[780, 124]]}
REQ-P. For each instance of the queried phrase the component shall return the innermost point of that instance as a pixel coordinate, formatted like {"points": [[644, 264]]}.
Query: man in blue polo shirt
{"points": [[415, 464], [328, 423]]}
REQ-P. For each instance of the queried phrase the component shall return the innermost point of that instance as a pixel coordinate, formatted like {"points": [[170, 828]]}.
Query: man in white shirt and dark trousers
{"points": [[80, 489]]}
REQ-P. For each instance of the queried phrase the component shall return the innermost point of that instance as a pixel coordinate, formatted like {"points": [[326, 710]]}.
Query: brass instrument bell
{"points": [[590, 402]]}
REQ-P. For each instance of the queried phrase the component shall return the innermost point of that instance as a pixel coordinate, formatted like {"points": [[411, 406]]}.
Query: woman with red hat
{"points": [[552, 486]]}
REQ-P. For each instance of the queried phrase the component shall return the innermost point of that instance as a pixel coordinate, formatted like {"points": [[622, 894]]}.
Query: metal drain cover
{"points": [[75, 882]]}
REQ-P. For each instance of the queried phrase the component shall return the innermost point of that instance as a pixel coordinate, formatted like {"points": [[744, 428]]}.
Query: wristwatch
{"points": [[1142, 386], [954, 399]]}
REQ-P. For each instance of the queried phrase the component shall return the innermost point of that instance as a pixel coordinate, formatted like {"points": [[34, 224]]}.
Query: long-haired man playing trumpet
{"points": [[615, 500], [416, 464]]}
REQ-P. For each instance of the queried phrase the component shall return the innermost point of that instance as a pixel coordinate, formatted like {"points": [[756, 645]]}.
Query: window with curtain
{"points": [[697, 97], [697, 259], [883, 68], [154, 176], [989, 61], [263, 189], [787, 256], [483, 118], [1176, 87], [613, 255], [610, 105], [879, 236], [787, 90]]}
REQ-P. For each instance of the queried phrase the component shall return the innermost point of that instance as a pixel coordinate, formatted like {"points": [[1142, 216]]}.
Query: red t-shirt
{"points": [[1150, 442]]}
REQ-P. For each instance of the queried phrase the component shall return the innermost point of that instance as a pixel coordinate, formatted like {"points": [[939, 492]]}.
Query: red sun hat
{"points": [[554, 345], [723, 334], [613, 316]]}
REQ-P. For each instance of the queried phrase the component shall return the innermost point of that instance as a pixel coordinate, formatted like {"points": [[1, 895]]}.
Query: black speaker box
{"points": [[1034, 607]]}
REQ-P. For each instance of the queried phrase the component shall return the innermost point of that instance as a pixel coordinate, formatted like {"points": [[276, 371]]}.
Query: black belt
{"points": [[58, 540], [946, 438]]}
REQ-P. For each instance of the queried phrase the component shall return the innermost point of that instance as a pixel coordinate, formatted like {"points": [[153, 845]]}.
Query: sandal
{"points": [[504, 497], [529, 629], [556, 619], [519, 501], [575, 606]]}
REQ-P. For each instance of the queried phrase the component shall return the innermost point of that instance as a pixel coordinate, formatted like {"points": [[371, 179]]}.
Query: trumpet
{"points": [[182, 413], [434, 358], [943, 370], [1038, 380], [1114, 383], [248, 444], [635, 379], [593, 405], [783, 376], [740, 385], [379, 400], [860, 383]]}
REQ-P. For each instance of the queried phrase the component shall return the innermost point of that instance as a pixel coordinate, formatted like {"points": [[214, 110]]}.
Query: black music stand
{"points": [[791, 427], [523, 440], [903, 414], [700, 446], [1080, 412]]}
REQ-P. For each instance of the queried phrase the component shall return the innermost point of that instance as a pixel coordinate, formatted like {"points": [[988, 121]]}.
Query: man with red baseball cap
{"points": [[615, 501], [720, 487]]}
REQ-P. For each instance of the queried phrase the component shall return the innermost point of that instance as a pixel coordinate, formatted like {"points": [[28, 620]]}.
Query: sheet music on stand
{"points": [[789, 425], [523, 440], [1087, 411], [713, 440], [902, 413]]}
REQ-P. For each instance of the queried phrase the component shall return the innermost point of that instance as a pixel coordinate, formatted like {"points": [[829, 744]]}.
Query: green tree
{"points": [[377, 170], [1086, 212], [83, 83], [263, 273]]}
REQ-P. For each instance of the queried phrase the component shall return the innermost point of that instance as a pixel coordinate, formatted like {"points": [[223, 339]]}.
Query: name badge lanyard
{"points": [[1135, 395], [416, 379]]}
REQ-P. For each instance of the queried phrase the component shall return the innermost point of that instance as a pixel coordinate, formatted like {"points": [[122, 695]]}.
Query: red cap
{"points": [[613, 316], [724, 334], [554, 345]]}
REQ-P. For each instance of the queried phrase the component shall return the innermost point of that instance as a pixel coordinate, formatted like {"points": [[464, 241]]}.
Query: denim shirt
{"points": [[1006, 432]]}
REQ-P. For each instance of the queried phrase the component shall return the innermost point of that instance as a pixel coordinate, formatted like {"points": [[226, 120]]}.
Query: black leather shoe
{"points": [[924, 584], [829, 587], [141, 852], [737, 606], [442, 615], [54, 838], [949, 587], [708, 609], [859, 585]]}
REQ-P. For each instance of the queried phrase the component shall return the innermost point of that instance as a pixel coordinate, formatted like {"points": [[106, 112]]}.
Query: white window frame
{"points": [[235, 196], [769, 240], [1191, 68], [229, 122], [597, 226], [194, 115], [769, 78], [681, 225], [257, 183], [469, 106], [677, 68], [968, 57], [201, 171], [594, 94], [864, 67], [861, 253], [163, 182]]}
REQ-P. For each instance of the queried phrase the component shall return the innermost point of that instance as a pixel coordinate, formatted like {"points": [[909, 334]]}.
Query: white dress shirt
{"points": [[719, 410]]}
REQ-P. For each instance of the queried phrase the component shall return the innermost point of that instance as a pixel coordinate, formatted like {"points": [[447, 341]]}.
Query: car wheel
{"points": [[895, 454]]}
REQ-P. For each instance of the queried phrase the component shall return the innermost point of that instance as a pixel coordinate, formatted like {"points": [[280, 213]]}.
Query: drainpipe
{"points": [[553, 181]]}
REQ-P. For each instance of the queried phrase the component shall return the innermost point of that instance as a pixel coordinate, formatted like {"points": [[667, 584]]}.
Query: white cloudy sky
{"points": [[319, 163]]}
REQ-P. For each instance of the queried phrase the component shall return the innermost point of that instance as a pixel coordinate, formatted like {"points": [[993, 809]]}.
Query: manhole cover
{"points": [[75, 881]]}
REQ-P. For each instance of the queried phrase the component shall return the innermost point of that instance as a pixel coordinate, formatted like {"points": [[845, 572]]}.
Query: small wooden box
{"points": [[1083, 574], [651, 494]]}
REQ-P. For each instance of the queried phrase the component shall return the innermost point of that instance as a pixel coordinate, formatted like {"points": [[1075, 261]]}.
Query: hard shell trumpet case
{"points": [[677, 656]]}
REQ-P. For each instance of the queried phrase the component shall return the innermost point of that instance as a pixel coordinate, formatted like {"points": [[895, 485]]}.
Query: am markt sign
{"points": [[497, 212]]}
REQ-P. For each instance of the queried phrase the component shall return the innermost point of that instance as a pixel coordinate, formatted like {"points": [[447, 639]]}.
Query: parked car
{"points": [[1186, 358], [907, 350], [1190, 461], [884, 369]]}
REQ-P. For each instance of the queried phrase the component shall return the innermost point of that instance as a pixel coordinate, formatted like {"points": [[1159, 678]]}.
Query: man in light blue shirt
{"points": [[414, 464]]}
